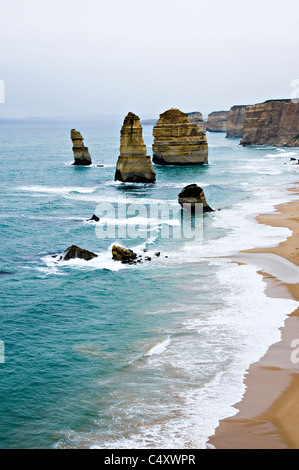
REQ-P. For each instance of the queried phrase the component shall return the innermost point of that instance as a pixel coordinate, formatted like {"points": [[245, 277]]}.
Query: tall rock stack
{"points": [[197, 118], [217, 121], [133, 164], [81, 153], [235, 121], [177, 141], [274, 122]]}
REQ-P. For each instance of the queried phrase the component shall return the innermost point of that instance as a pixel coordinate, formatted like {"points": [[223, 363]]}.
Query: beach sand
{"points": [[268, 414]]}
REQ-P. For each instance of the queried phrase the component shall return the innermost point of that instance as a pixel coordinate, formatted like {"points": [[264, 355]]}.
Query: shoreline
{"points": [[268, 414]]}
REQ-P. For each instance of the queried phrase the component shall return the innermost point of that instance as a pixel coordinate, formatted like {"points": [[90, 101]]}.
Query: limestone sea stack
{"points": [[274, 123], [217, 121], [193, 194], [197, 118], [133, 164], [178, 141], [235, 121], [81, 153]]}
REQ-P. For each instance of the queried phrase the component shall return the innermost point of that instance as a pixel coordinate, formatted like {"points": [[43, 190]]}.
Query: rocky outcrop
{"points": [[75, 252], [193, 194], [133, 164], [94, 218], [197, 118], [178, 141], [127, 256], [81, 153], [120, 253], [235, 121], [217, 121], [274, 123]]}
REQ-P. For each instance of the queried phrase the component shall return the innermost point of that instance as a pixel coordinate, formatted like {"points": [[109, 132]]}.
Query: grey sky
{"points": [[93, 57]]}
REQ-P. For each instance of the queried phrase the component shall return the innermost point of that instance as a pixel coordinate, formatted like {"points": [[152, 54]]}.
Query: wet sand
{"points": [[268, 414]]}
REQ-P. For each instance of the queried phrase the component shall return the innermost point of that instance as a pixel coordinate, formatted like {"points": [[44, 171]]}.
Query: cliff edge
{"points": [[235, 121], [274, 123]]}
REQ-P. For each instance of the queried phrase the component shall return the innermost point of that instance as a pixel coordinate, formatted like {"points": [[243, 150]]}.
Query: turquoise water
{"points": [[99, 354]]}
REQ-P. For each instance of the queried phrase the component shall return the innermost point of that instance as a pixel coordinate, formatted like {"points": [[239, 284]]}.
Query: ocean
{"points": [[99, 354]]}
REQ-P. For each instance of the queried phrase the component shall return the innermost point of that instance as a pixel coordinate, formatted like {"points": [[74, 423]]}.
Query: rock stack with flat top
{"points": [[197, 118], [81, 153], [133, 164], [178, 141]]}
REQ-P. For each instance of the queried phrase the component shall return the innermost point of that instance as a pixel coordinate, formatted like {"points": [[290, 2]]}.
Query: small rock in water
{"points": [[120, 253], [74, 252], [95, 218]]}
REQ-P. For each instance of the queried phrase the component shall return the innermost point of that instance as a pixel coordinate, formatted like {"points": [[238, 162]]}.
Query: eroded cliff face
{"points": [[133, 164], [197, 118], [235, 121], [177, 141], [217, 121], [81, 153], [274, 122]]}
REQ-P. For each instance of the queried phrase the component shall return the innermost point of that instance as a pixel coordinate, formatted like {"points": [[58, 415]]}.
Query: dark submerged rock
{"points": [[95, 218]]}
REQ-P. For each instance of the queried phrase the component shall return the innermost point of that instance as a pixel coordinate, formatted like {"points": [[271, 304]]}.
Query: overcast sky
{"points": [[95, 57]]}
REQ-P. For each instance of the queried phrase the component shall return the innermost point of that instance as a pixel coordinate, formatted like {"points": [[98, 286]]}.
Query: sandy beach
{"points": [[268, 414]]}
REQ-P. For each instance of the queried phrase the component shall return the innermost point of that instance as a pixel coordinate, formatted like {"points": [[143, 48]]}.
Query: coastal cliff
{"points": [[177, 141], [235, 121], [217, 121], [274, 122], [133, 164]]}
